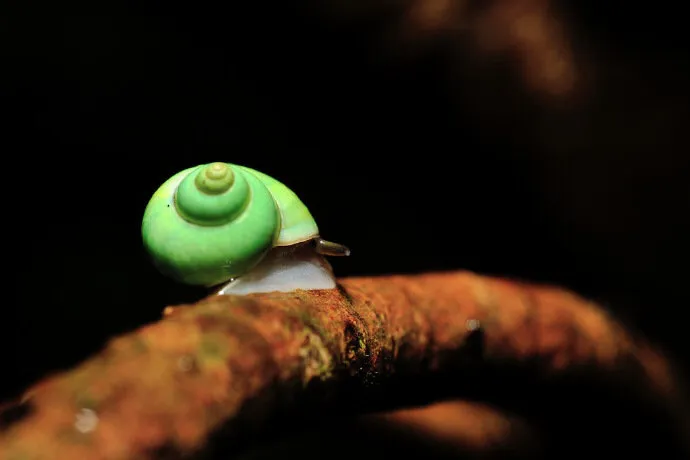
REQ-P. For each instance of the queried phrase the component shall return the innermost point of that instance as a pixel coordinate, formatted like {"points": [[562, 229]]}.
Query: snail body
{"points": [[214, 223]]}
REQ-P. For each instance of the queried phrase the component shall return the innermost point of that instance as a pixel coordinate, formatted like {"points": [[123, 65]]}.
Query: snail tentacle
{"points": [[329, 248]]}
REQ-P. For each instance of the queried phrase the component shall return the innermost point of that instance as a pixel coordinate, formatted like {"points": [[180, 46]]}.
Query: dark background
{"points": [[418, 154]]}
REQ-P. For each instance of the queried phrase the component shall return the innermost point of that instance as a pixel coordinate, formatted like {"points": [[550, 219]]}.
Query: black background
{"points": [[422, 161]]}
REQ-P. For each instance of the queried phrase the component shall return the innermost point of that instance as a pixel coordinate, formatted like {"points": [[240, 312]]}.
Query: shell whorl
{"points": [[212, 195], [210, 223]]}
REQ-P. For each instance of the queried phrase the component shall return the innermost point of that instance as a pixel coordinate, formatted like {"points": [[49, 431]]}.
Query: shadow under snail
{"points": [[233, 227]]}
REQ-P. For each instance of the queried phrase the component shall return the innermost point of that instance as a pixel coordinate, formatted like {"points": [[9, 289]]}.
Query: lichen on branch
{"points": [[168, 386]]}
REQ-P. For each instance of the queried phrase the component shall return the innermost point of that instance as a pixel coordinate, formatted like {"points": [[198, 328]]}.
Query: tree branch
{"points": [[228, 365]]}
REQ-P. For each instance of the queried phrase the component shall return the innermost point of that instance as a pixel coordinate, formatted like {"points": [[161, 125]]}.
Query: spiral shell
{"points": [[213, 222]]}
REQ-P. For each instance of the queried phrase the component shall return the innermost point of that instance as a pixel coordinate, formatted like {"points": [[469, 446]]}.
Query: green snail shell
{"points": [[213, 222]]}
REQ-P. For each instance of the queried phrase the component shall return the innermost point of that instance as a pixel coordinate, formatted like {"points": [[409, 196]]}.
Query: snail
{"points": [[232, 227]]}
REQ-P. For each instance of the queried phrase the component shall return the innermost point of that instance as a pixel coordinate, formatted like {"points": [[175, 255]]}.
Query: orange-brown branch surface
{"points": [[225, 363]]}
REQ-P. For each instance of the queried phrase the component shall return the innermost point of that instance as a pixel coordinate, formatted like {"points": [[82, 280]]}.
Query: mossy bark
{"points": [[230, 361]]}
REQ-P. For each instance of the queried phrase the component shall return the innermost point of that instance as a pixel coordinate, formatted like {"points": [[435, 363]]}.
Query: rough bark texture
{"points": [[228, 366]]}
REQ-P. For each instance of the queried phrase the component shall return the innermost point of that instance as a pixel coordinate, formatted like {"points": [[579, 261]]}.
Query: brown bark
{"points": [[230, 365]]}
